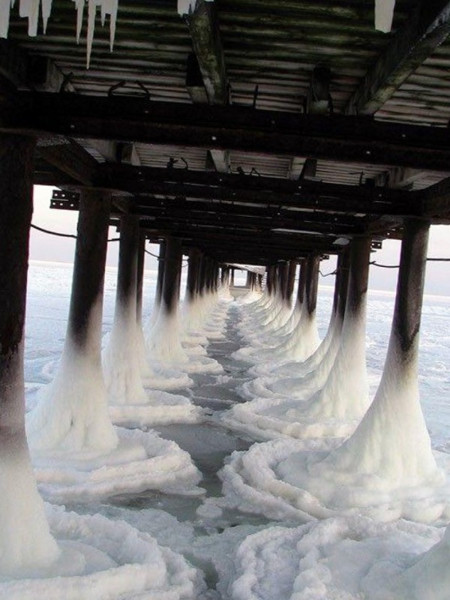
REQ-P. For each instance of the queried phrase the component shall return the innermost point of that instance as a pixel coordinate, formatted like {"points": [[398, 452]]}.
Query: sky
{"points": [[44, 247]]}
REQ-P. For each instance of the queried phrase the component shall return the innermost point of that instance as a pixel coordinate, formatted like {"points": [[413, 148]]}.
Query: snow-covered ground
{"points": [[243, 555]]}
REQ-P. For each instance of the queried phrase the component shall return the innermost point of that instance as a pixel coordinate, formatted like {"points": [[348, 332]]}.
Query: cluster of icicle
{"points": [[30, 9]]}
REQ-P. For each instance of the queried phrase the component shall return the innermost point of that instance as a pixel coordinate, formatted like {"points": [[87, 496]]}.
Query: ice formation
{"points": [[323, 401], [100, 558], [72, 413], [384, 14], [142, 461], [25, 540], [341, 558], [30, 9], [186, 7]]}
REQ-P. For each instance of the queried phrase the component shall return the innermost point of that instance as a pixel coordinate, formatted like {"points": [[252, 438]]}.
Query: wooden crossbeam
{"points": [[423, 32], [154, 206], [355, 139], [262, 191]]}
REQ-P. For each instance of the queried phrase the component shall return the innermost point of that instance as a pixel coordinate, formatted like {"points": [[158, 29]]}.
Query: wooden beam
{"points": [[264, 191], [423, 32], [69, 158], [354, 139], [26, 71], [203, 26], [398, 177]]}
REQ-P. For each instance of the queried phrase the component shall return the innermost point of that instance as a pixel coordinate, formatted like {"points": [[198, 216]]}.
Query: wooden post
{"points": [[312, 282], [290, 280], [140, 277], [159, 282], [301, 283], [25, 539], [358, 274], [342, 275], [89, 268], [193, 274], [128, 260], [172, 274], [410, 285], [16, 207]]}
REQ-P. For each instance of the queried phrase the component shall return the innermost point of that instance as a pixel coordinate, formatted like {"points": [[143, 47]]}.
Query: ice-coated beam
{"points": [[25, 540], [89, 266], [172, 274]]}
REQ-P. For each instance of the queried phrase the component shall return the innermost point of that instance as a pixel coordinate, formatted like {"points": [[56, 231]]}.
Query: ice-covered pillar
{"points": [[122, 360], [25, 540], [392, 441], [72, 415], [342, 397]]}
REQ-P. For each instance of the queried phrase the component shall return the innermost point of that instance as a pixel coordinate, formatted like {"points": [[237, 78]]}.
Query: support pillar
{"points": [[164, 343], [193, 274], [290, 282], [73, 417], [312, 282], [172, 275], [140, 278], [25, 540], [346, 398], [392, 442], [122, 359]]}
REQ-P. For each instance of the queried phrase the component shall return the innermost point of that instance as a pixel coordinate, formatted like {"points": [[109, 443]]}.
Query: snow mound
{"points": [[291, 479], [142, 461], [104, 559], [336, 559]]}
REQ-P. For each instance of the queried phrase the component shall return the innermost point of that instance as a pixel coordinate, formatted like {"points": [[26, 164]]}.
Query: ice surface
{"points": [[105, 559]]}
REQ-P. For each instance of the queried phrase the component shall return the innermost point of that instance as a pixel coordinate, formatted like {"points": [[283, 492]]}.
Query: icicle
{"points": [[30, 9], [92, 11], [46, 10], [79, 6], [186, 7], [5, 7], [384, 13]]}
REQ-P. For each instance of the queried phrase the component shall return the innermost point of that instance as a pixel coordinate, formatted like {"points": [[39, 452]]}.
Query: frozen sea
{"points": [[47, 309]]}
